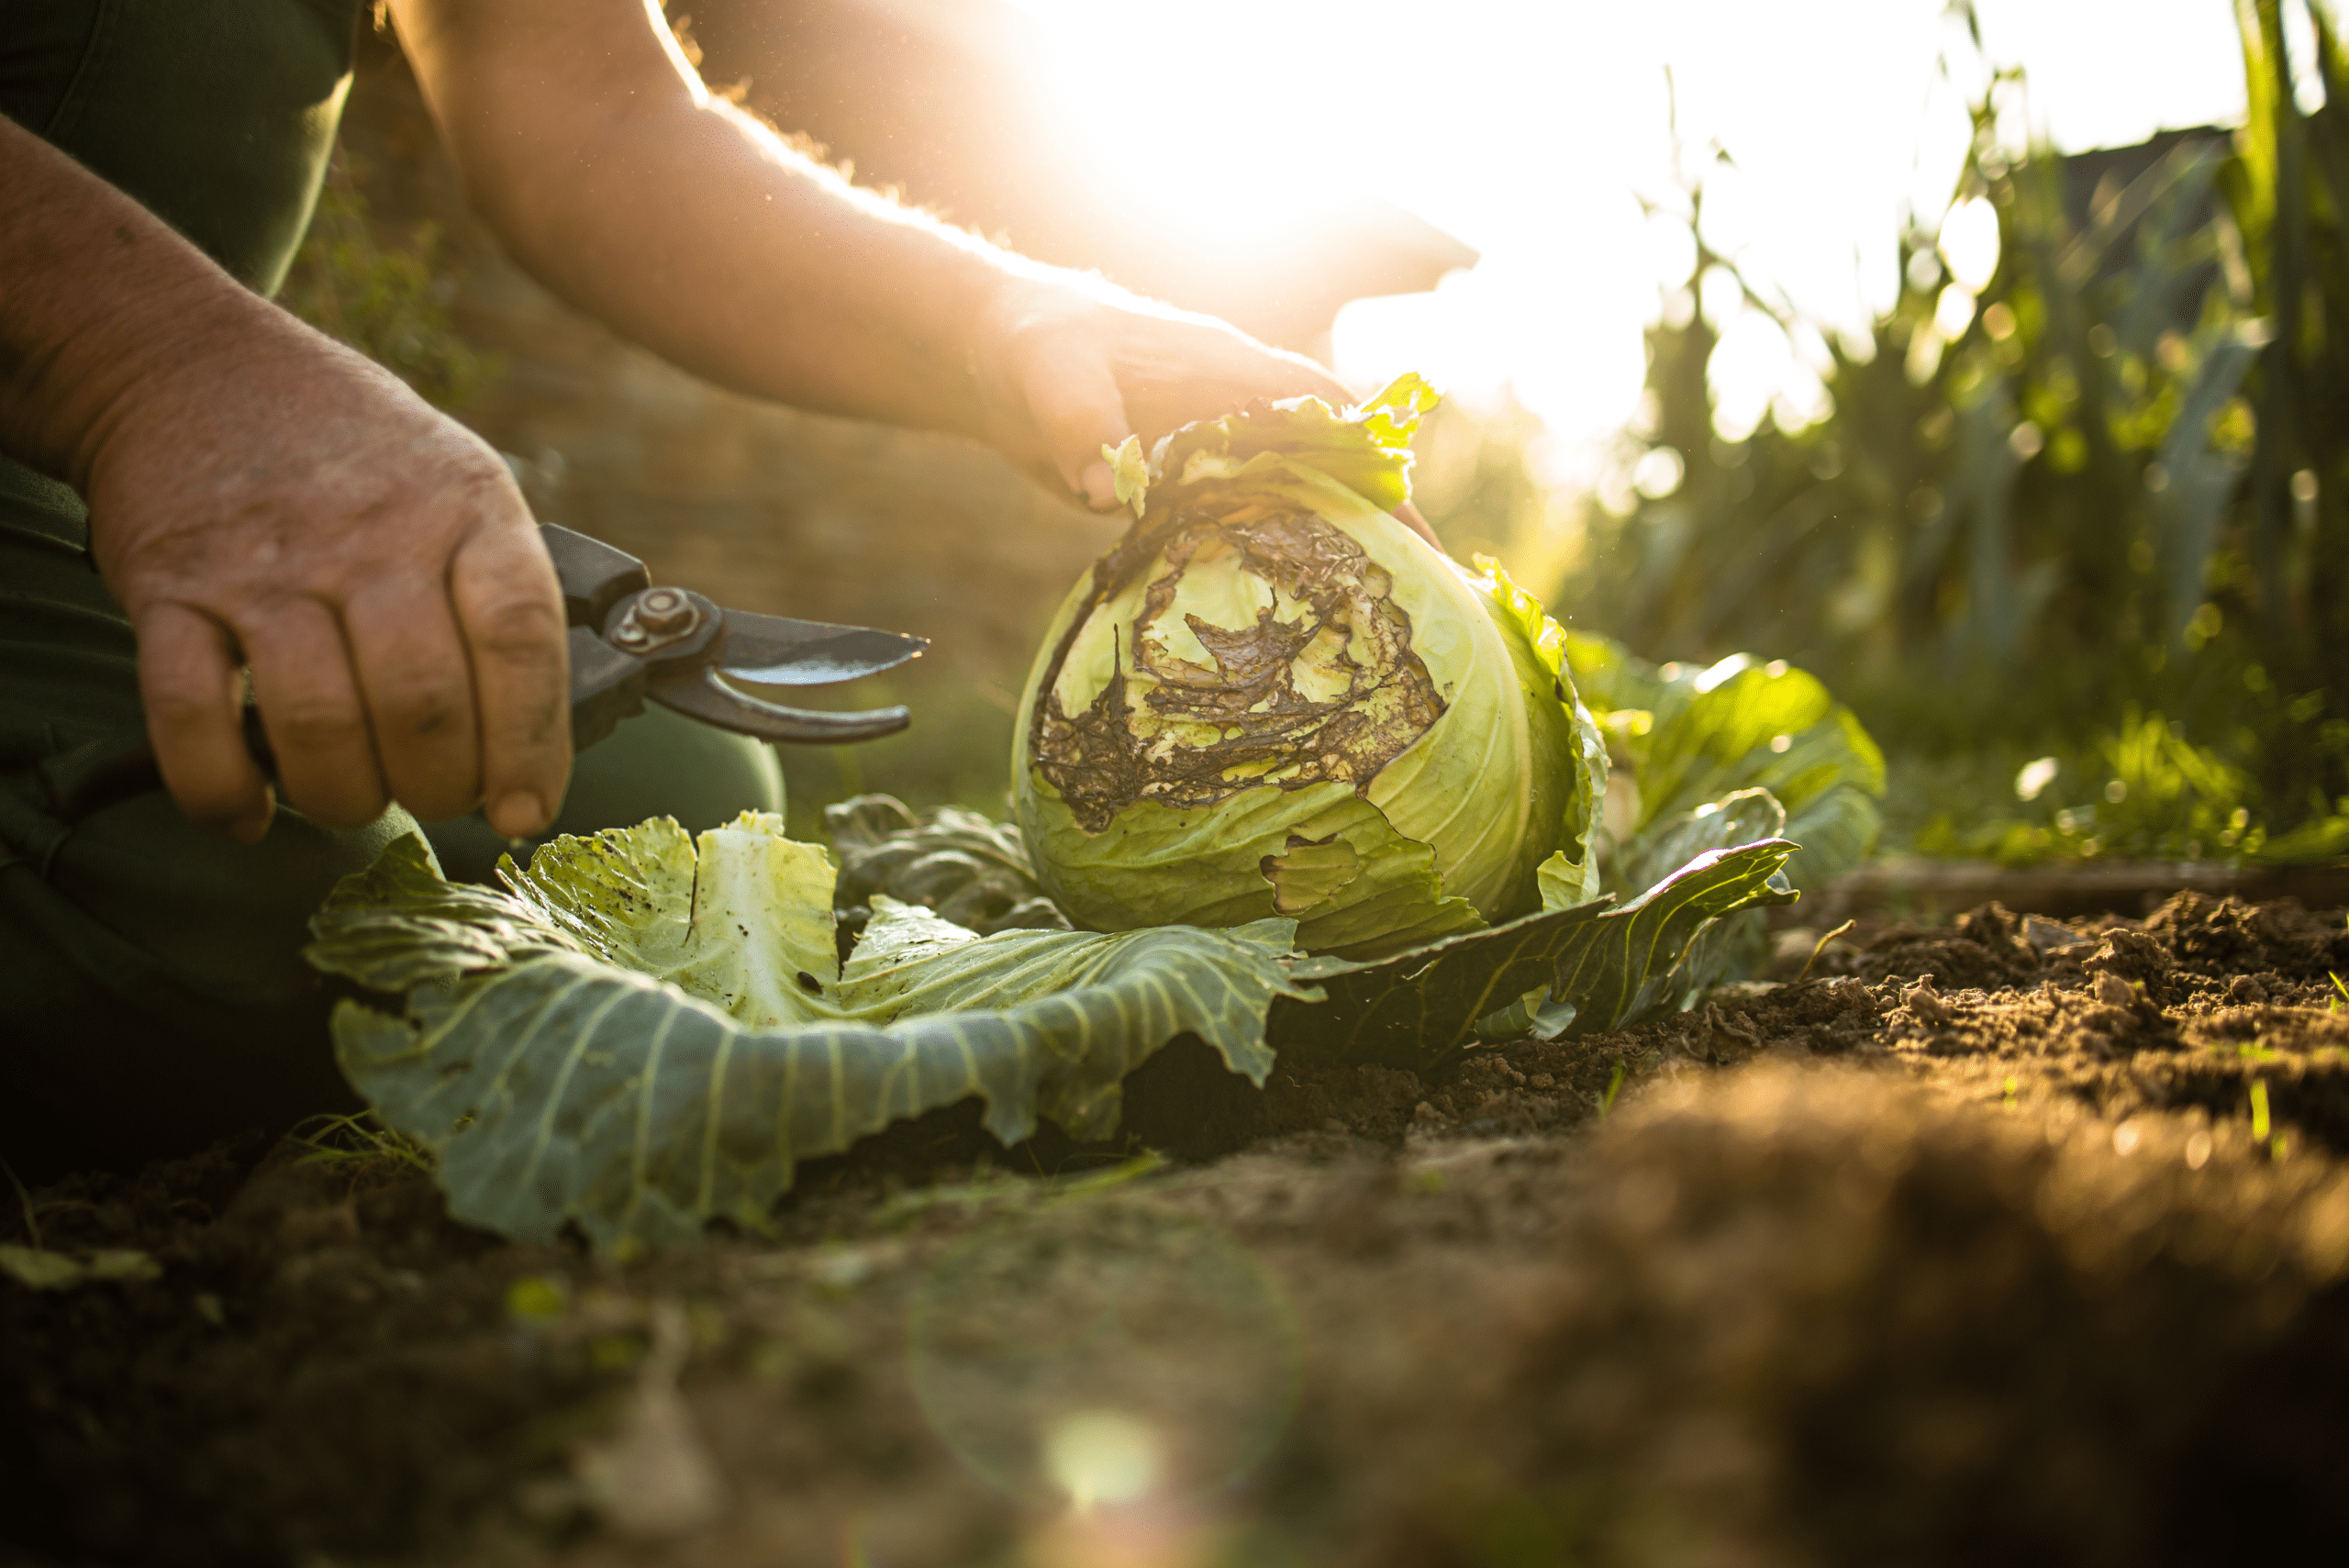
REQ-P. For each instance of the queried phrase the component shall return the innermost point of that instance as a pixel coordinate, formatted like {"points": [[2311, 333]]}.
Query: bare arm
{"points": [[614, 177], [261, 496]]}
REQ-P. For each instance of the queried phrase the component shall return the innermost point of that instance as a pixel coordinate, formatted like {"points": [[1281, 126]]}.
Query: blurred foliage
{"points": [[2141, 791], [387, 296], [2097, 503]]}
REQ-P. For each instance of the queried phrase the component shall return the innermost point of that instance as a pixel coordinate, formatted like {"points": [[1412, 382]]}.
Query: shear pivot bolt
{"points": [[665, 612]]}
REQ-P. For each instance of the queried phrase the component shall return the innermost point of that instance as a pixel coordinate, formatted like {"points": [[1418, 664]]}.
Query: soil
{"points": [[2010, 1240]]}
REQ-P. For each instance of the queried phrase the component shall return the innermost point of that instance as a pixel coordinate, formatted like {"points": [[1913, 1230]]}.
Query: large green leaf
{"points": [[1736, 943], [1609, 965], [643, 1036], [1695, 736]]}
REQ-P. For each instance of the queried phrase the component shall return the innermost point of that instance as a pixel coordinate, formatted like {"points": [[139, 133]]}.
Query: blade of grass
{"points": [[1614, 1087], [357, 1140], [1820, 947]]}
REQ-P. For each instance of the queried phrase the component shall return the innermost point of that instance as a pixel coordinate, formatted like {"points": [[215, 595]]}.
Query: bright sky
{"points": [[1525, 127]]}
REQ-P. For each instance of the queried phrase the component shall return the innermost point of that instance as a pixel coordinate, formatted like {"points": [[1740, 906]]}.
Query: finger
{"points": [[1190, 373], [509, 613], [311, 706], [418, 687], [1073, 397], [187, 679]]}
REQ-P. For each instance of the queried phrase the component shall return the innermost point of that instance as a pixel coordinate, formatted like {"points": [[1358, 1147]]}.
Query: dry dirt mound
{"points": [[2010, 1240]]}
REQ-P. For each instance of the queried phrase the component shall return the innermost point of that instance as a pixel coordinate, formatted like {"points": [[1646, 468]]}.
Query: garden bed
{"points": [[2041, 1259]]}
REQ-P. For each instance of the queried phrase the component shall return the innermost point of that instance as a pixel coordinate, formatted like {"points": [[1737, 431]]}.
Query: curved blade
{"points": [[773, 651], [696, 690]]}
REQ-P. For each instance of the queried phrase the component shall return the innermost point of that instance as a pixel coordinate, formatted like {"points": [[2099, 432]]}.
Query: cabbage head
{"points": [[1271, 698]]}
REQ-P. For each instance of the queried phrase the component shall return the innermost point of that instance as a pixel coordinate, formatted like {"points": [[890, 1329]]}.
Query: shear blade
{"points": [[773, 651], [697, 690]]}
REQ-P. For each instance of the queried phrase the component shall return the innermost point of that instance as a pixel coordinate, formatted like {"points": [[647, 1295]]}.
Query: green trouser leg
{"points": [[152, 985], [152, 993]]}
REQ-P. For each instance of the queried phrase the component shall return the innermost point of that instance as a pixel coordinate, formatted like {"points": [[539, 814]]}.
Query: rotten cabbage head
{"points": [[1272, 698]]}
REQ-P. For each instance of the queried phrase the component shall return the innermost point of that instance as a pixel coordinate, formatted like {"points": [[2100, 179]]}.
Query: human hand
{"points": [[264, 498], [1064, 371]]}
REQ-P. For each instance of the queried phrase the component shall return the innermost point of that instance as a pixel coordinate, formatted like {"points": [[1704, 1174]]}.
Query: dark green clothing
{"points": [[152, 995], [217, 115]]}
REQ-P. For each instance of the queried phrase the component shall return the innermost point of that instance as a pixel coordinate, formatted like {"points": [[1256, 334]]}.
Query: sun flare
{"points": [[1533, 132]]}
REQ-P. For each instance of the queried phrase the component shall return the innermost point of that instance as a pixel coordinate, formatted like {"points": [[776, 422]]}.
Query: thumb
{"points": [[1073, 401]]}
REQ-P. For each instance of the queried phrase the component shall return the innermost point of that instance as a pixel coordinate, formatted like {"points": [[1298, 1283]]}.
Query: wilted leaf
{"points": [[1735, 725], [970, 870], [1610, 964]]}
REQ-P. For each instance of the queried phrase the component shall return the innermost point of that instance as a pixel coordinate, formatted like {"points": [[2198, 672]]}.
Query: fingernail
{"points": [[1101, 487], [519, 815], [252, 828]]}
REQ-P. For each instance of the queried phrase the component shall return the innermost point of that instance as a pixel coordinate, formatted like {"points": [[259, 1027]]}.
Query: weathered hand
{"points": [[271, 500], [1065, 372]]}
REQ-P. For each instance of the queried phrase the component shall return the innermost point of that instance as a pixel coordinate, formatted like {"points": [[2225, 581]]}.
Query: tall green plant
{"points": [[2115, 476], [2288, 191]]}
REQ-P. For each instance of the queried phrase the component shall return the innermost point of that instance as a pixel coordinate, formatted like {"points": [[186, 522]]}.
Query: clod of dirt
{"points": [[1924, 1003], [2134, 959], [2214, 938], [1983, 950]]}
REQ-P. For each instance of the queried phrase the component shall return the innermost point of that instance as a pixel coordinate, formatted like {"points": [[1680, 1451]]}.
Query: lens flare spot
{"points": [[1103, 1458]]}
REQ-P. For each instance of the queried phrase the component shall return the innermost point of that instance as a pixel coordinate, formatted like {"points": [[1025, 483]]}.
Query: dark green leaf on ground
{"points": [[1610, 964]]}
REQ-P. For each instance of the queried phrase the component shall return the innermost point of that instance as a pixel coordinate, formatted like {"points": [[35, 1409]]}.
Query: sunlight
{"points": [[1969, 243], [1530, 131]]}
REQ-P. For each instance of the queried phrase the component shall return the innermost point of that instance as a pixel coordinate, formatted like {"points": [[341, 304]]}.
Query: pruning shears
{"points": [[631, 640], [628, 641]]}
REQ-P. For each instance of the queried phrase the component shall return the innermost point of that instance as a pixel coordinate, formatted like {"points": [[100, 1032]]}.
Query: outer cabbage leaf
{"points": [[1643, 958], [556, 1085], [1321, 855], [1570, 875], [1609, 965], [1733, 943], [1736, 943], [1367, 447]]}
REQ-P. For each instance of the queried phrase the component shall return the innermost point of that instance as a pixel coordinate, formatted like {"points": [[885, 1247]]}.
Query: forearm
{"points": [[613, 178], [99, 301], [593, 149]]}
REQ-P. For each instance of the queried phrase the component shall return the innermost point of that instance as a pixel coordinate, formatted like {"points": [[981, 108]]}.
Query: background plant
{"points": [[385, 295], [2089, 499]]}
